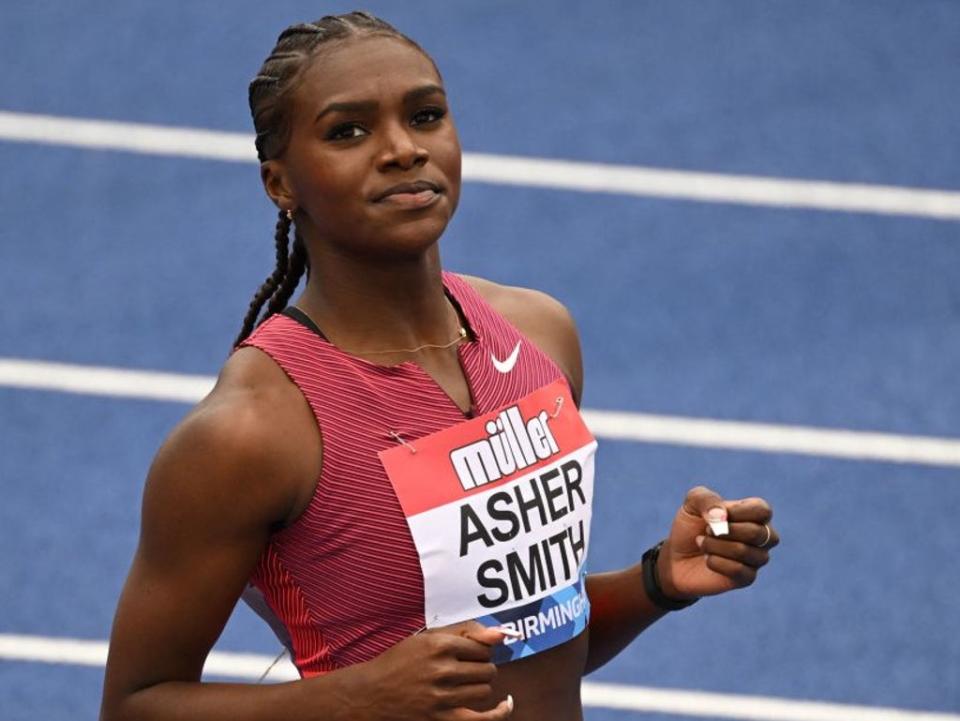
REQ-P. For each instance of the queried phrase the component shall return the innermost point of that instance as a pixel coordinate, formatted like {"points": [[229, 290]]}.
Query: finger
{"points": [[461, 648], [464, 628], [756, 510], [701, 502], [468, 649], [739, 573], [469, 672], [756, 534], [744, 553], [489, 635], [501, 711], [470, 694]]}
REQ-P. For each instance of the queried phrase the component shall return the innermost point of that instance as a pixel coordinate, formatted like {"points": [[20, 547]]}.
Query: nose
{"points": [[400, 148]]}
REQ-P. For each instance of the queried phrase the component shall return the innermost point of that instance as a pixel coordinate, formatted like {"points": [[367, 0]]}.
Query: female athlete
{"points": [[392, 470]]}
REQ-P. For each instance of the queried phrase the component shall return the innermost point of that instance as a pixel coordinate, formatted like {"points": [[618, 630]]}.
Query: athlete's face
{"points": [[373, 162]]}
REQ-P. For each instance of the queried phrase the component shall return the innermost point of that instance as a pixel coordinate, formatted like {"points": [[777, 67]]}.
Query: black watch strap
{"points": [[651, 583]]}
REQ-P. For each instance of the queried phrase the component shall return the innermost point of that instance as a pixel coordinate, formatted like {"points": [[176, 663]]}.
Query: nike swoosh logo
{"points": [[506, 365]]}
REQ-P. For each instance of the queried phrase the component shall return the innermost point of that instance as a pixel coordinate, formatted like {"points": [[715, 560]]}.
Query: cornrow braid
{"points": [[269, 98]]}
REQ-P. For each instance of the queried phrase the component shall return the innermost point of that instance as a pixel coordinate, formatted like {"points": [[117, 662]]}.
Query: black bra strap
{"points": [[291, 311]]}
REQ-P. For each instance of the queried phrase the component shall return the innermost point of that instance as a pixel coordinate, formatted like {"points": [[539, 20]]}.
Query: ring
{"points": [[767, 539]]}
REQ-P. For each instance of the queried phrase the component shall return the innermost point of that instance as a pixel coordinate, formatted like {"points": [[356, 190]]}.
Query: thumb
{"points": [[705, 504], [487, 635]]}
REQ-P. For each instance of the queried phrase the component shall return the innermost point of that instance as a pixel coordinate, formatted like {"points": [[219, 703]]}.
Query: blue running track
{"points": [[786, 316]]}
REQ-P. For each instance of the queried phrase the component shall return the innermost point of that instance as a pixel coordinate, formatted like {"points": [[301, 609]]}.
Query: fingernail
{"points": [[699, 540], [510, 702], [719, 528], [717, 518], [507, 631]]}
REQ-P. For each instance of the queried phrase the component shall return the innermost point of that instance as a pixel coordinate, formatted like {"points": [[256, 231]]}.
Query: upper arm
{"points": [[544, 320], [222, 481]]}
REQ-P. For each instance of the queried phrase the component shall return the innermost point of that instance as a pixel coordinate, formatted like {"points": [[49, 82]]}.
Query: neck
{"points": [[368, 305]]}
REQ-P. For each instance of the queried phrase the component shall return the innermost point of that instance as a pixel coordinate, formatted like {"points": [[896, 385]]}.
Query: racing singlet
{"points": [[422, 515]]}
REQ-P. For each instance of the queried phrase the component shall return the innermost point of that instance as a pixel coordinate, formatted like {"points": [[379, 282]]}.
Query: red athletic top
{"points": [[342, 584]]}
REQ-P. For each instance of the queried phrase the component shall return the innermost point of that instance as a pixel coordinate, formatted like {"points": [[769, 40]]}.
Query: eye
{"points": [[346, 131], [427, 116]]}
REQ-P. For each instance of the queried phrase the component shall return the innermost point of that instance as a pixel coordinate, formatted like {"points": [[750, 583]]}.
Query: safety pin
{"points": [[396, 436], [424, 626], [556, 411]]}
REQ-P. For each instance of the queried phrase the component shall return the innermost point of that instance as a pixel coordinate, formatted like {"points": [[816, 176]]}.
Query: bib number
{"points": [[499, 508]]}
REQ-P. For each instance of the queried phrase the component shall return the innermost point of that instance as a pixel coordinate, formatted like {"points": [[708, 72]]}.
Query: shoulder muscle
{"points": [[241, 457]]}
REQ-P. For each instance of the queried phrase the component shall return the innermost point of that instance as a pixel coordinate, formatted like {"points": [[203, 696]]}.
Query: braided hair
{"points": [[269, 98]]}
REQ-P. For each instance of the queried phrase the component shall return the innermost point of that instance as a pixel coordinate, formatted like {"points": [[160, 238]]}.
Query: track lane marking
{"points": [[578, 176], [104, 381], [613, 425], [250, 666]]}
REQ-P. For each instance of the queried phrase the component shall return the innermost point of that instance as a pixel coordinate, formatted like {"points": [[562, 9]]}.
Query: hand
{"points": [[693, 562], [439, 674]]}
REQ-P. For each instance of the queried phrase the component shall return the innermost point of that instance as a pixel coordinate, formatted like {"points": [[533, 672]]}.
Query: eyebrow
{"points": [[366, 106]]}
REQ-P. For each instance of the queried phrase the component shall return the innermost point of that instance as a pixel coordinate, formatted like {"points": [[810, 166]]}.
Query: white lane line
{"points": [[712, 187], [103, 381], [770, 438], [82, 652], [513, 170], [128, 137], [741, 706], [643, 427], [249, 666]]}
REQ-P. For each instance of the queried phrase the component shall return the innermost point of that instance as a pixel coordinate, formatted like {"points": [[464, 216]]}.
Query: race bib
{"points": [[499, 508]]}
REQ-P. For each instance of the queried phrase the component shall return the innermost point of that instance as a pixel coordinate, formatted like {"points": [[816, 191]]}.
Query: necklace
{"points": [[461, 335]]}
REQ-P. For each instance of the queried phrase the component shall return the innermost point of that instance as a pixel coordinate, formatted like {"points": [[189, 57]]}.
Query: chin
{"points": [[409, 238]]}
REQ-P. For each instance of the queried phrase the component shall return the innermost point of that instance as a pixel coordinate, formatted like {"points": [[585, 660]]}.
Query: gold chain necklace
{"points": [[461, 335]]}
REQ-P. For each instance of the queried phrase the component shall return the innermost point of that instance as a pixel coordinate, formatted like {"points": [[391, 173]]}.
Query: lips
{"points": [[418, 186]]}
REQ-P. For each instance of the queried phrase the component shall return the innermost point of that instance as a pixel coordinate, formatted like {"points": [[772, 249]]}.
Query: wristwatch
{"points": [[651, 583]]}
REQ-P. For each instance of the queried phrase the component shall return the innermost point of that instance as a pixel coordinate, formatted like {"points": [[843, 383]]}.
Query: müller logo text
{"points": [[512, 445]]}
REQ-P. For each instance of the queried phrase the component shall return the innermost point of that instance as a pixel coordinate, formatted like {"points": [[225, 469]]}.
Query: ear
{"points": [[273, 175]]}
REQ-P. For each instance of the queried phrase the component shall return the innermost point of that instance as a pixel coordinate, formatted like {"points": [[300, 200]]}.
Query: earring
{"points": [[290, 215]]}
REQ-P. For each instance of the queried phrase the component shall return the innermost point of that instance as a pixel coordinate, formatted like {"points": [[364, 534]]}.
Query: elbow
{"points": [[113, 709], [108, 712], [119, 706]]}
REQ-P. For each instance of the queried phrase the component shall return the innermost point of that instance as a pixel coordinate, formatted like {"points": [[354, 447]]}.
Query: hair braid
{"points": [[273, 281], [269, 98], [295, 267]]}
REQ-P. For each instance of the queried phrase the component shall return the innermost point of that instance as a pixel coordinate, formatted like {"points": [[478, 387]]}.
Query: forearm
{"points": [[619, 612], [322, 698]]}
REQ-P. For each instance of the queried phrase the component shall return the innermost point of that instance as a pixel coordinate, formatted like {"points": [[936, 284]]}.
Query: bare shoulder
{"points": [[543, 319], [252, 440]]}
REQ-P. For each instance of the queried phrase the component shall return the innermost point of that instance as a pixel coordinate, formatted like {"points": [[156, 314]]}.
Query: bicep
{"points": [[207, 515], [170, 615]]}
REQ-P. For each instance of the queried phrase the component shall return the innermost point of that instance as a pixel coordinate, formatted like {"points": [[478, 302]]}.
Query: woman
{"points": [[395, 464]]}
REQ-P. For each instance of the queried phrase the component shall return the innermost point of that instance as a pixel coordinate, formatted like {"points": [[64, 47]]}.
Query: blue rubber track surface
{"points": [[816, 318]]}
